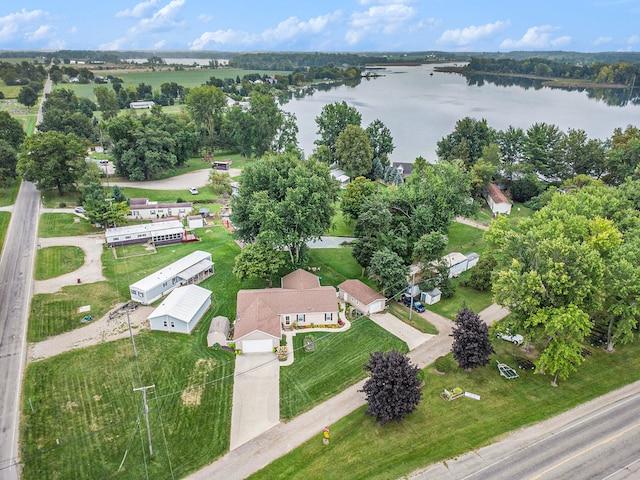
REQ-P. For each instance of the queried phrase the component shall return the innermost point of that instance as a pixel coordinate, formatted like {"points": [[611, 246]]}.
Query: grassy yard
{"points": [[341, 226], [465, 239], [416, 321], [438, 430], [4, 224], [9, 193], [464, 296], [64, 225], [335, 364], [81, 417], [337, 265], [52, 262]]}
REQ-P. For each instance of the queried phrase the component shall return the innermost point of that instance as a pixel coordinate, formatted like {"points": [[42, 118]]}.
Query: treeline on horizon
{"points": [[620, 72]]}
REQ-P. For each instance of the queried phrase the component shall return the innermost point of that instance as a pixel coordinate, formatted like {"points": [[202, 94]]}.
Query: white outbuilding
{"points": [[190, 269], [431, 297], [497, 201], [181, 310]]}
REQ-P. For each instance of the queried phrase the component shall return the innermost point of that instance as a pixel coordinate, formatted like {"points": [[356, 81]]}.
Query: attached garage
{"points": [[257, 342]]}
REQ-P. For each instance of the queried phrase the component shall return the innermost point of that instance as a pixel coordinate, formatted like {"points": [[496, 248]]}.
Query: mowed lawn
{"points": [[335, 364], [64, 225], [4, 225], [82, 418], [52, 262], [362, 449]]}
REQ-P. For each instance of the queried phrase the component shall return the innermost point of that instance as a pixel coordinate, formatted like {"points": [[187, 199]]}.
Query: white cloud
{"points": [[633, 39], [536, 37], [73, 29], [139, 10], [468, 35], [602, 40], [19, 23], [43, 31], [288, 29], [385, 17], [205, 18], [163, 20], [159, 45]]}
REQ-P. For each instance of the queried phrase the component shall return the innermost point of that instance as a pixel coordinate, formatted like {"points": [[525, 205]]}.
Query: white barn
{"points": [[190, 269], [160, 233], [181, 310]]}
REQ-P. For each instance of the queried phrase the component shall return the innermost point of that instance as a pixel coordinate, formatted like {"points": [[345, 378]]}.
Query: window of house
{"points": [[173, 324], [328, 317], [152, 212], [165, 323], [301, 317]]}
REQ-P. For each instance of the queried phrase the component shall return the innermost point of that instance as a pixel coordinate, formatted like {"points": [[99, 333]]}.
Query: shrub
{"points": [[62, 205], [443, 364]]}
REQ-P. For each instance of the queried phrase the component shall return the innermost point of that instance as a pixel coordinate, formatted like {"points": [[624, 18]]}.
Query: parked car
{"points": [[507, 336], [193, 191], [104, 163], [417, 306], [79, 209]]}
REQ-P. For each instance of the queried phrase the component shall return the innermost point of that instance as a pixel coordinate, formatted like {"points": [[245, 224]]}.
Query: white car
{"points": [[193, 191], [507, 336], [79, 210]]}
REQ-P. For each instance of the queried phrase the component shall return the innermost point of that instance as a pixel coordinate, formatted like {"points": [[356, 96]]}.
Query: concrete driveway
{"points": [[256, 396]]}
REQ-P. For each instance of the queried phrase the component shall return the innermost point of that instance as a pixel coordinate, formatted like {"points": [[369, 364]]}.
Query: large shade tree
{"points": [[392, 390], [333, 119], [353, 151], [471, 345], [286, 200], [52, 160], [205, 105]]}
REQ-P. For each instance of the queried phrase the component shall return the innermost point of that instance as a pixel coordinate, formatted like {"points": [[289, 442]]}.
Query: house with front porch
{"points": [[301, 301]]}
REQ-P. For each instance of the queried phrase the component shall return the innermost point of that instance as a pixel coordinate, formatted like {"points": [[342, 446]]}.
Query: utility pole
{"points": [[146, 413], [413, 285]]}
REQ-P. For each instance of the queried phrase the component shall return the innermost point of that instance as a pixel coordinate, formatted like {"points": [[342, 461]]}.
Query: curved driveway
{"points": [[198, 178]]}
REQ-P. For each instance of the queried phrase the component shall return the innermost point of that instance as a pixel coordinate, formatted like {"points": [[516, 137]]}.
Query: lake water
{"points": [[420, 109]]}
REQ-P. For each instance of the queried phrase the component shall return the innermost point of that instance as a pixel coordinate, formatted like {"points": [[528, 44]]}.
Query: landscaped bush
{"points": [[443, 364]]}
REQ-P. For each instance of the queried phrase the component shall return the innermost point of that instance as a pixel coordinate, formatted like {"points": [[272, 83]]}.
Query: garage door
{"points": [[257, 346]]}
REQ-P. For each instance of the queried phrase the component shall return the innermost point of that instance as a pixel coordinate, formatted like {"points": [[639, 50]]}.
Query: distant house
{"points": [[497, 201], [181, 310], [160, 233], [431, 297], [143, 209], [339, 175], [364, 298], [141, 105], [456, 262], [221, 164], [262, 314], [405, 169], [218, 331], [193, 268]]}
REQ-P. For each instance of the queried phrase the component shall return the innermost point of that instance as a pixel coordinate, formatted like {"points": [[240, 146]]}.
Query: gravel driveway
{"points": [[198, 178]]}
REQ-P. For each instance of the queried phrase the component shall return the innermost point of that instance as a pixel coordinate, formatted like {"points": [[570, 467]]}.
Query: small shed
{"points": [[218, 331], [472, 259], [181, 310], [431, 297], [204, 212], [497, 201], [361, 296], [456, 262], [195, 221]]}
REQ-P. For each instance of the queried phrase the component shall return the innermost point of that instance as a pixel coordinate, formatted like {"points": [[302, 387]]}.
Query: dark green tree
{"points": [[392, 390], [332, 120], [353, 151], [108, 102], [471, 344], [388, 271], [381, 141], [27, 96]]}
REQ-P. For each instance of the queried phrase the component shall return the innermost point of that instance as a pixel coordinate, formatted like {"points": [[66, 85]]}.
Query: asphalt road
{"points": [[600, 440], [16, 285]]}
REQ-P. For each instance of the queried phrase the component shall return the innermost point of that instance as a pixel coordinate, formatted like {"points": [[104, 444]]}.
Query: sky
{"points": [[325, 25]]}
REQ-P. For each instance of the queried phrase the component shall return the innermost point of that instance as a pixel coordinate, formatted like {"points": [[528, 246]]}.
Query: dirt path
{"points": [[198, 178], [90, 272], [471, 223]]}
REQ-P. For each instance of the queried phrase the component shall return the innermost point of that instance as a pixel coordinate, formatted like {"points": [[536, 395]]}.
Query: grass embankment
{"points": [[9, 193], [5, 217], [438, 430], [335, 364], [52, 262], [416, 321], [64, 225]]}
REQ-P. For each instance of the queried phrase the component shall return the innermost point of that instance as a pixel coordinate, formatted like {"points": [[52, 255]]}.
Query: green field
{"points": [[335, 364], [463, 297], [64, 225], [52, 262], [186, 78], [416, 321], [465, 239], [362, 449]]}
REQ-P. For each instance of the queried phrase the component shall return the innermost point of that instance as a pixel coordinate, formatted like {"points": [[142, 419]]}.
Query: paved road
{"points": [[16, 284], [598, 440]]}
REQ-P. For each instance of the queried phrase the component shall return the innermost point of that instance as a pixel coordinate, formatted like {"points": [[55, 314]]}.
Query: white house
{"points": [[141, 105], [142, 208], [364, 298], [497, 201], [431, 297], [456, 262], [181, 310], [190, 269], [160, 233], [340, 176], [262, 314]]}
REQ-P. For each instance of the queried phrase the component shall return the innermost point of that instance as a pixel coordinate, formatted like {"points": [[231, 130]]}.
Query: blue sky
{"points": [[326, 25]]}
